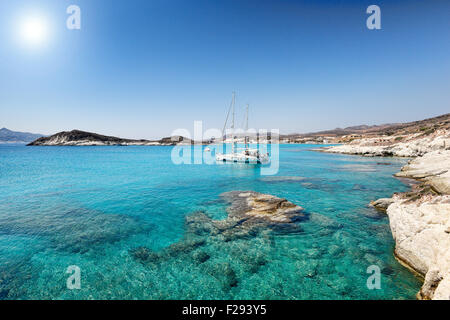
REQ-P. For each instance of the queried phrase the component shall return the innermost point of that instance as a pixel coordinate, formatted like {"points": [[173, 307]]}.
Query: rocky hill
{"points": [[83, 138], [420, 128]]}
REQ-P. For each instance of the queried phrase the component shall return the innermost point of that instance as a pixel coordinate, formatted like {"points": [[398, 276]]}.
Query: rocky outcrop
{"points": [[411, 145], [422, 237], [82, 138], [251, 205], [249, 213], [420, 223], [433, 168], [382, 204]]}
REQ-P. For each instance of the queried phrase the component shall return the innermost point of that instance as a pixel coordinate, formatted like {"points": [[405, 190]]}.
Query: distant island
{"points": [[83, 138], [14, 137]]}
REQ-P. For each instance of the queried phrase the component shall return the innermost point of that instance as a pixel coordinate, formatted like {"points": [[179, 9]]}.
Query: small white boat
{"points": [[245, 155], [207, 149]]}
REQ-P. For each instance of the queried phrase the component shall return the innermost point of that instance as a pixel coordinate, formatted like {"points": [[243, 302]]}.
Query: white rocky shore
{"points": [[433, 168], [419, 219], [83, 138], [411, 145], [420, 222]]}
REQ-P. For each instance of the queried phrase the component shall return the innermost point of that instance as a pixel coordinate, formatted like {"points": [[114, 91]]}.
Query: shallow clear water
{"points": [[94, 206]]}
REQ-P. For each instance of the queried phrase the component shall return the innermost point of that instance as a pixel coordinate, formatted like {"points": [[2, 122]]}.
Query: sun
{"points": [[33, 30]]}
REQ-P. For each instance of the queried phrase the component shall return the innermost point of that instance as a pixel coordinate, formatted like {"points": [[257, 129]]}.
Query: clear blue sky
{"points": [[141, 69]]}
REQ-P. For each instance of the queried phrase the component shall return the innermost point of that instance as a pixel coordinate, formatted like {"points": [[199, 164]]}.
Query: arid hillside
{"points": [[422, 128]]}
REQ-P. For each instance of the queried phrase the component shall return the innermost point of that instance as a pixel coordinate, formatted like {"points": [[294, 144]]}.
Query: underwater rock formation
{"points": [[75, 230], [251, 205], [249, 214]]}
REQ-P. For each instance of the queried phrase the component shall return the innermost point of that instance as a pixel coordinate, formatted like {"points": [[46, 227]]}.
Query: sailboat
{"points": [[245, 155]]}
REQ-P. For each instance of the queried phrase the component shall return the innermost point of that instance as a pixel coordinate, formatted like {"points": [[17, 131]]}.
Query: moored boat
{"points": [[245, 155]]}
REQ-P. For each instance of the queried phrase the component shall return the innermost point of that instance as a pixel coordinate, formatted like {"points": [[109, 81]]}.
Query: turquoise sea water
{"points": [[93, 207]]}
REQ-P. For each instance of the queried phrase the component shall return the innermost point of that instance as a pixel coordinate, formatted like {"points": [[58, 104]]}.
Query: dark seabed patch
{"points": [[77, 230], [13, 275], [327, 185], [251, 216], [369, 167], [275, 179]]}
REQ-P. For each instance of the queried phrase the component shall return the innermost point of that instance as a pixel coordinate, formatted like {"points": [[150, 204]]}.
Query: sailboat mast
{"points": [[246, 129], [232, 124], [232, 106], [246, 118]]}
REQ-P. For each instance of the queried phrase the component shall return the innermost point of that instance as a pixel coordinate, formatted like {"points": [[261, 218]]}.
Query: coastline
{"points": [[419, 219], [420, 223]]}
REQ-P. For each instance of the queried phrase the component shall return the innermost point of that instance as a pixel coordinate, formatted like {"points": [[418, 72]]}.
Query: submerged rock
{"points": [[283, 179], [250, 214], [325, 221], [201, 256], [73, 230], [144, 254], [250, 205], [185, 247]]}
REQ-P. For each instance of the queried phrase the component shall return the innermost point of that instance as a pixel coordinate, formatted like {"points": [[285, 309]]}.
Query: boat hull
{"points": [[239, 158]]}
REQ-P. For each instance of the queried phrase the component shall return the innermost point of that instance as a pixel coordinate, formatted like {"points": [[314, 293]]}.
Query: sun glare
{"points": [[33, 30]]}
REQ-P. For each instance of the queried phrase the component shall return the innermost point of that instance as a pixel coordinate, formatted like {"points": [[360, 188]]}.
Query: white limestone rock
{"points": [[422, 239], [413, 145], [433, 168]]}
